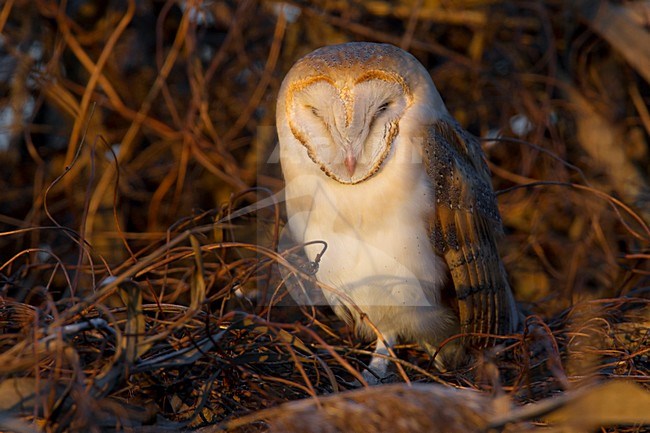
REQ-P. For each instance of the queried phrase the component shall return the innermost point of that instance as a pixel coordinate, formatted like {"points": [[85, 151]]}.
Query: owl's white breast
{"points": [[379, 252]]}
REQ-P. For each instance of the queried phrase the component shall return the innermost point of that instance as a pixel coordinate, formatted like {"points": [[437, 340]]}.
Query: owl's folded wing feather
{"points": [[465, 228]]}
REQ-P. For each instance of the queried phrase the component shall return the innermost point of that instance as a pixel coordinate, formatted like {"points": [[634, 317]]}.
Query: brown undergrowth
{"points": [[141, 287]]}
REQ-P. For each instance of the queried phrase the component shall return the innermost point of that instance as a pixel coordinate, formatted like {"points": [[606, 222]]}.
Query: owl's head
{"points": [[347, 103]]}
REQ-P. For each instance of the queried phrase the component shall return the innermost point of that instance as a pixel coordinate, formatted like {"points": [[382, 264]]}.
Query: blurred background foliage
{"points": [[183, 95], [125, 122]]}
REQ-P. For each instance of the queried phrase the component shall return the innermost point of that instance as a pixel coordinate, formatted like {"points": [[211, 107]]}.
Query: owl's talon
{"points": [[374, 379]]}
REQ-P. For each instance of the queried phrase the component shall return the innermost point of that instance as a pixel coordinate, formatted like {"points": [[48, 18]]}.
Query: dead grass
{"points": [[139, 129]]}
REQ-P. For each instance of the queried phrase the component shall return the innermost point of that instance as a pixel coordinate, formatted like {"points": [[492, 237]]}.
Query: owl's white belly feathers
{"points": [[379, 253]]}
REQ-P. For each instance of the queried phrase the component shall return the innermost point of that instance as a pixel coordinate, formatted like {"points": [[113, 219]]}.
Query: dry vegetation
{"points": [[130, 131]]}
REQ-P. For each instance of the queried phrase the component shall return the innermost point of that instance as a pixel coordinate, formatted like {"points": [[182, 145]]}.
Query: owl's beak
{"points": [[350, 163]]}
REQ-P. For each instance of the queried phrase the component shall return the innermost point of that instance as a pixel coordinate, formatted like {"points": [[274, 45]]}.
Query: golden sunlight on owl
{"points": [[377, 168]]}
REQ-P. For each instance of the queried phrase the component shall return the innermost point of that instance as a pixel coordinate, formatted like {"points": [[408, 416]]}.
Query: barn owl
{"points": [[376, 167]]}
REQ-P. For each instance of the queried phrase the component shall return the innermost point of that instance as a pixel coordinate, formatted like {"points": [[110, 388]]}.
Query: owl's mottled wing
{"points": [[465, 228]]}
